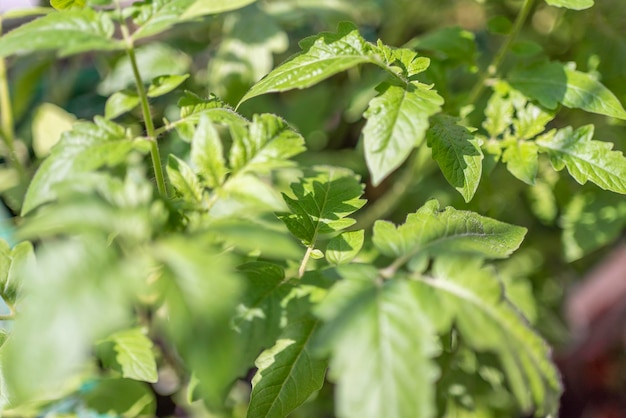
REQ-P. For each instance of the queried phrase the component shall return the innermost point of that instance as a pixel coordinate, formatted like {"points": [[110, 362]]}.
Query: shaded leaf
{"points": [[436, 232], [457, 153], [585, 159], [322, 56], [344, 247], [288, 374], [322, 202], [451, 43], [69, 32], [121, 397], [397, 120]]}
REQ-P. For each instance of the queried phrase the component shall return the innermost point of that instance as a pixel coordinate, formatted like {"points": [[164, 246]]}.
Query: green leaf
{"points": [[451, 43], [344, 247], [208, 7], [207, 153], [120, 103], [87, 147], [49, 122], [322, 202], [288, 374], [120, 397], [322, 56], [156, 16], [530, 119], [381, 347], [402, 61], [451, 231], [69, 32], [585, 159], [590, 221], [457, 153], [499, 111], [13, 261], [571, 4], [521, 160], [184, 180], [67, 4], [464, 294], [244, 194], [397, 120], [134, 354], [268, 145], [164, 84], [553, 83]]}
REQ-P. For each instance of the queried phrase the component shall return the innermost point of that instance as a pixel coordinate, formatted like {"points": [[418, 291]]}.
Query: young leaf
{"points": [[208, 7], [322, 56], [397, 120], [164, 84], [287, 374], [120, 103], [67, 4], [451, 231], [521, 160], [268, 145], [499, 111], [471, 297], [156, 16], [184, 180], [69, 32], [381, 347], [585, 159], [207, 153], [457, 153], [571, 4], [344, 247], [87, 147], [321, 203], [134, 354], [553, 83]]}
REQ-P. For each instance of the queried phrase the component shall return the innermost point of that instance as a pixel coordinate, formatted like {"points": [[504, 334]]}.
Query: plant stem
{"points": [[305, 261], [8, 135], [147, 115], [7, 317], [493, 68]]}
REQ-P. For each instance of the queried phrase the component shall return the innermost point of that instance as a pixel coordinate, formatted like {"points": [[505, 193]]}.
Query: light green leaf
{"points": [[381, 347], [49, 122], [436, 232], [590, 221], [69, 32], [208, 7], [267, 145], [457, 153], [402, 61], [120, 397], [244, 194], [322, 56], [134, 354], [184, 180], [67, 4], [22, 13], [207, 153], [87, 147], [397, 120], [553, 83], [120, 103], [322, 202], [462, 293], [288, 374], [344, 247], [164, 84], [571, 4], [11, 262], [530, 119], [521, 160], [499, 111], [585, 159], [156, 16]]}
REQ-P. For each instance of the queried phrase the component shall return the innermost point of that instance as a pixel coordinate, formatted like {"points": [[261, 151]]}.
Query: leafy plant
{"points": [[243, 266]]}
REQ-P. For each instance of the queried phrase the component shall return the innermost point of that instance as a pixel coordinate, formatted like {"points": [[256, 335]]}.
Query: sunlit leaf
{"points": [[134, 354], [344, 247], [521, 160], [207, 7], [571, 4]]}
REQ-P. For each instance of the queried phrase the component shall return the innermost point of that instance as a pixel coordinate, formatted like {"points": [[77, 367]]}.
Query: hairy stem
{"points": [[8, 135], [147, 115], [493, 68]]}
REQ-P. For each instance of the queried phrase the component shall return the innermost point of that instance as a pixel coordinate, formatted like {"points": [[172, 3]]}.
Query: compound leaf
{"points": [[397, 120], [585, 159], [321, 203], [458, 154]]}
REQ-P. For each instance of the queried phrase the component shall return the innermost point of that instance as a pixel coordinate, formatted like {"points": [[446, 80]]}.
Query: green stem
{"points": [[147, 115], [7, 317], [493, 68], [8, 135], [305, 261]]}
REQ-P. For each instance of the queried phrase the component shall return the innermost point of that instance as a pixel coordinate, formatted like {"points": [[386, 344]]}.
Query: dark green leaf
{"points": [[458, 154], [451, 42], [397, 120], [120, 397], [436, 232], [287, 373], [69, 32], [585, 159], [322, 202]]}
